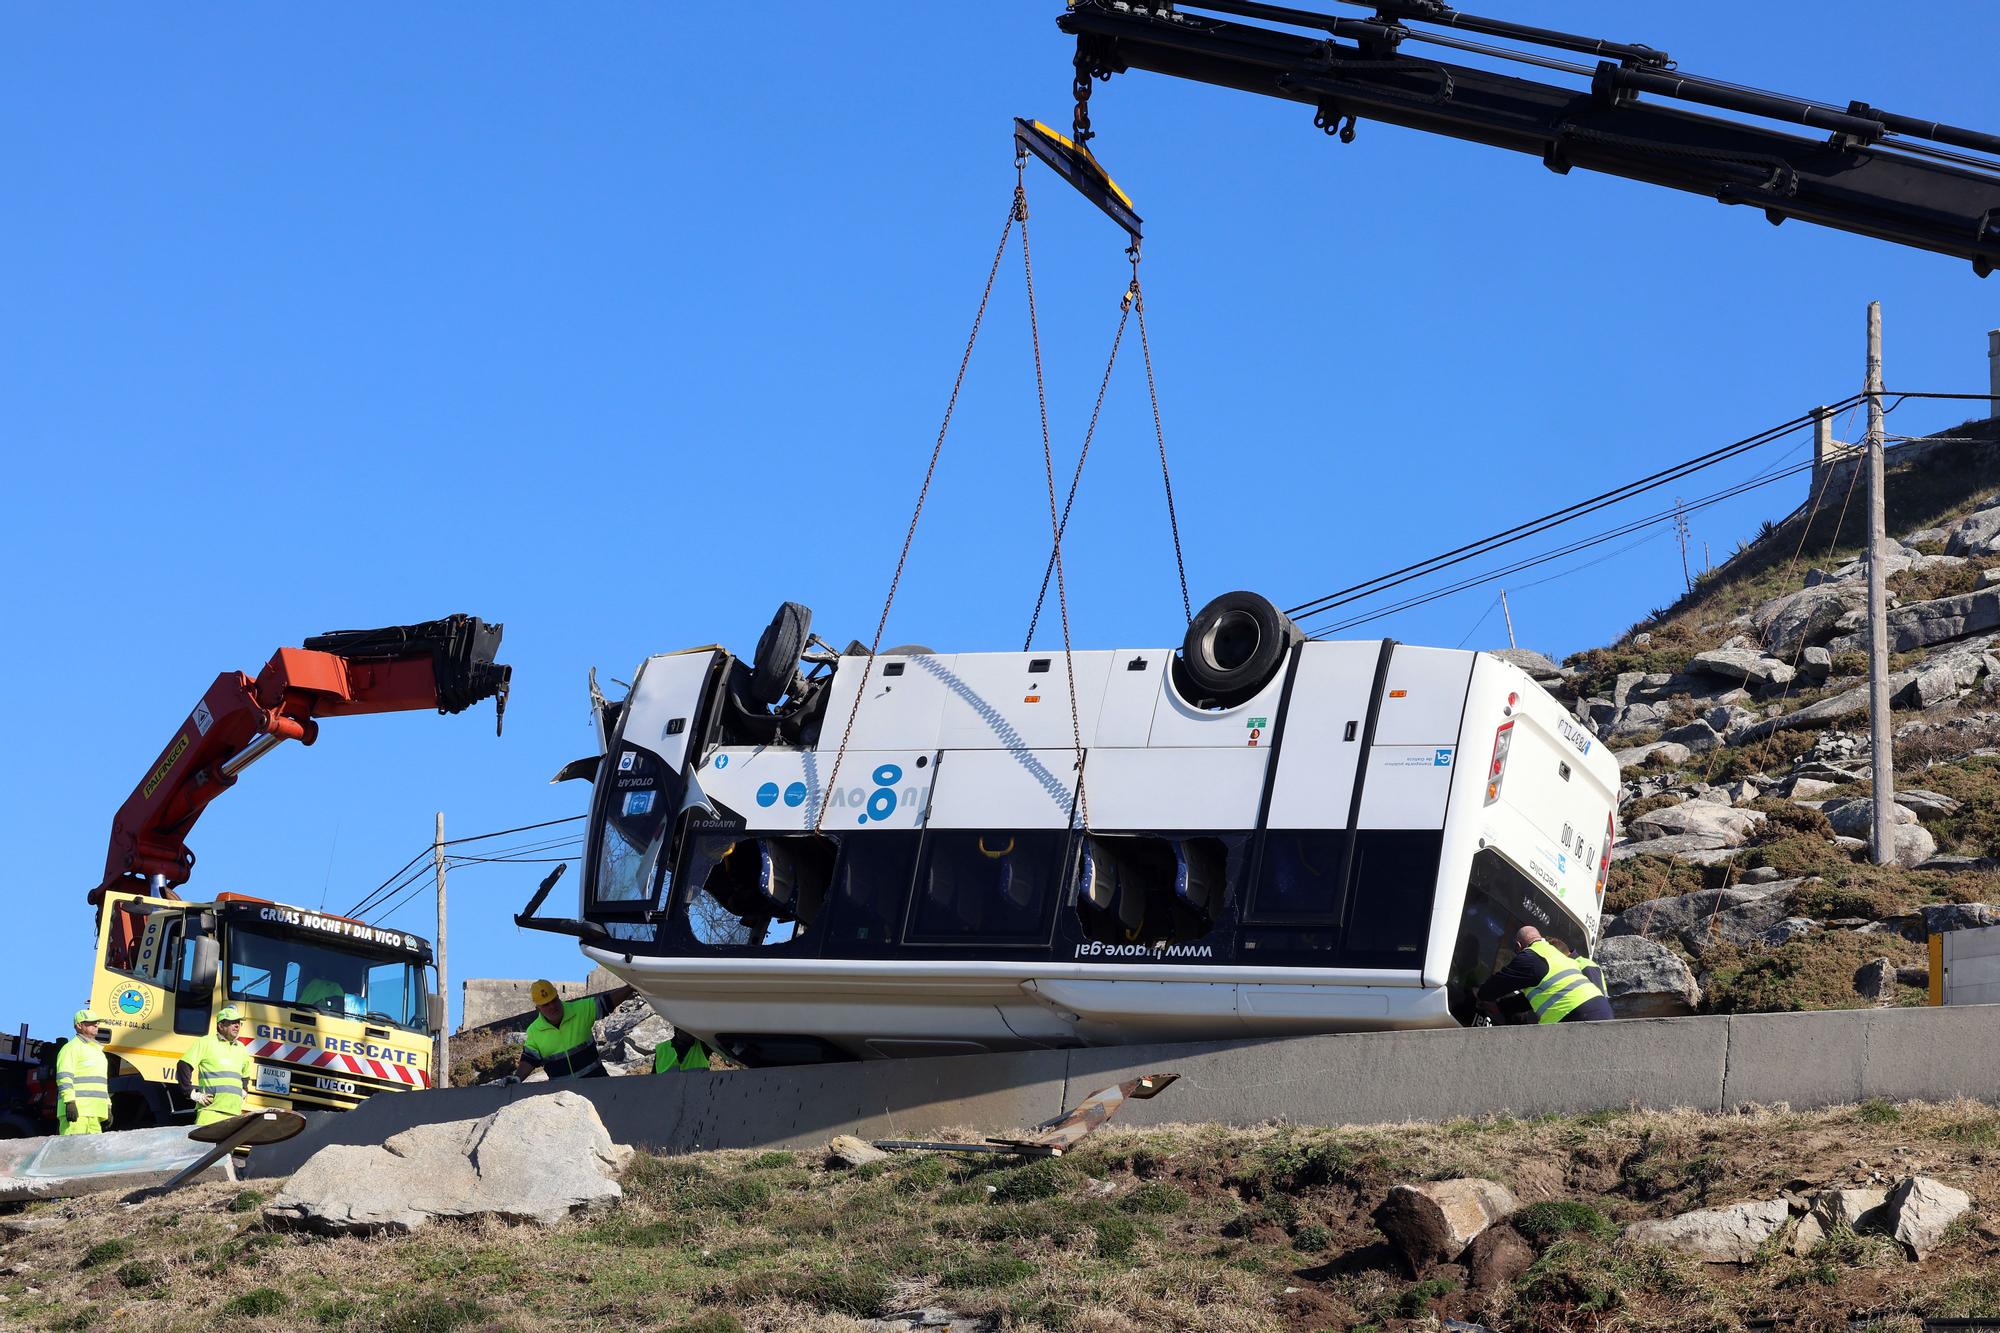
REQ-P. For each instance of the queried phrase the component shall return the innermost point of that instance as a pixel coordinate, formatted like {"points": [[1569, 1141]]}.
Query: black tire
{"points": [[777, 660], [1235, 645]]}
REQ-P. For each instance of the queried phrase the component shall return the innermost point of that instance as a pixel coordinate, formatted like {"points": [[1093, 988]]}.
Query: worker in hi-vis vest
{"points": [[83, 1086], [217, 1071], [1559, 988], [561, 1040], [681, 1051]]}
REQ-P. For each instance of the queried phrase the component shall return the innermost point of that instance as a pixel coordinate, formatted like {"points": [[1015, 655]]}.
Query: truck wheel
{"points": [[777, 659], [1235, 644]]}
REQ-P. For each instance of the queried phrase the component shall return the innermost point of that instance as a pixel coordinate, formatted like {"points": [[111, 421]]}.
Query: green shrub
{"points": [[771, 1161], [1415, 1300], [1115, 1236], [1575, 1274], [1544, 1223], [257, 1301], [1875, 1111], [1312, 1238], [1155, 1198], [105, 1251], [246, 1201], [141, 1273], [1041, 1179]]}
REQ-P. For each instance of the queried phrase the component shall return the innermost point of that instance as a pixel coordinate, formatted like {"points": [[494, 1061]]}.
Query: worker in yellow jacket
{"points": [[83, 1087], [217, 1070], [562, 1039], [681, 1051]]}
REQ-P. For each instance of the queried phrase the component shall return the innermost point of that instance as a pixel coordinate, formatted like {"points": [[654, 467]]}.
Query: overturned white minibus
{"points": [[1259, 834]]}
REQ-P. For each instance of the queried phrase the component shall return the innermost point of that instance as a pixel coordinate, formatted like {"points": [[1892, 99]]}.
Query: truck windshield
{"points": [[307, 974]]}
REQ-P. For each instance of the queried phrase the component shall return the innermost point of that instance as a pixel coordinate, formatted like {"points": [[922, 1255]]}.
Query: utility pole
{"points": [[1510, 618], [1681, 531], [443, 1075], [1880, 732]]}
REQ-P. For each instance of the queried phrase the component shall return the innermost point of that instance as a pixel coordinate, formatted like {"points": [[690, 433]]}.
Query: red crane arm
{"points": [[443, 664]]}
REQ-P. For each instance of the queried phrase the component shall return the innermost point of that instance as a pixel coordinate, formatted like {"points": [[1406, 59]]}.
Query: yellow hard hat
{"points": [[84, 1018], [228, 1014], [542, 992]]}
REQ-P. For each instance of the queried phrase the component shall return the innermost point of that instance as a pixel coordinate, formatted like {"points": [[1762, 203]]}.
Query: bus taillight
{"points": [[1502, 739], [1604, 856]]}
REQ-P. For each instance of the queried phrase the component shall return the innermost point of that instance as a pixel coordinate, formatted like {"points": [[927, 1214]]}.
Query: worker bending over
{"points": [[1559, 988], [215, 1073], [681, 1051], [83, 1087], [561, 1040]]}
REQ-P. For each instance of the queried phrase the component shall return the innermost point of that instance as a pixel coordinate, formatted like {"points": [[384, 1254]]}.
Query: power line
{"points": [[1472, 550], [1546, 557], [501, 833]]}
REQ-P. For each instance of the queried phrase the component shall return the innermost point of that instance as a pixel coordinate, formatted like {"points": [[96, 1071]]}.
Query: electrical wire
{"points": [[1546, 557], [1472, 550]]}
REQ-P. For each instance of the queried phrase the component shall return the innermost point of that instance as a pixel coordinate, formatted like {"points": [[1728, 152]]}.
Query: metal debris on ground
{"points": [[252, 1129], [1055, 1137]]}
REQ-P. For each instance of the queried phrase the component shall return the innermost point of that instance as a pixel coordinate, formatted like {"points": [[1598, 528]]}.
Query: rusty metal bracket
{"points": [[1055, 1137]]}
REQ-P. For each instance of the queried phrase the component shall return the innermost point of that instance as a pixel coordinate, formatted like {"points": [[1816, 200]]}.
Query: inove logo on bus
{"points": [[881, 800]]}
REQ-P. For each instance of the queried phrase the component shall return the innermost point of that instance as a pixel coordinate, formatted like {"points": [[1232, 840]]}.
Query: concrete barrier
{"points": [[1708, 1064]]}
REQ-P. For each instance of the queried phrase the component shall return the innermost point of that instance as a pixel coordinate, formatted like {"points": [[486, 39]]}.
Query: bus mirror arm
{"points": [[589, 932], [527, 914]]}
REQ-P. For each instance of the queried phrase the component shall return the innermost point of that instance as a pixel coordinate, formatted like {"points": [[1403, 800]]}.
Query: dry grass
{"points": [[1207, 1228]]}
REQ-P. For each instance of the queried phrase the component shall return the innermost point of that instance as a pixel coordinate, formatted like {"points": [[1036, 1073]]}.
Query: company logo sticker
{"points": [[638, 802], [131, 1000], [722, 761], [795, 794], [767, 795], [1442, 759]]}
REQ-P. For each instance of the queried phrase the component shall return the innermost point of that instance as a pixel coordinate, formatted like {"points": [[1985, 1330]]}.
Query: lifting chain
{"points": [[1137, 300], [1016, 212], [1049, 473], [1080, 131]]}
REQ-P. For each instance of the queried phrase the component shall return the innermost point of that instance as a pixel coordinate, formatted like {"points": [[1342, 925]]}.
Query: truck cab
{"points": [[335, 1010]]}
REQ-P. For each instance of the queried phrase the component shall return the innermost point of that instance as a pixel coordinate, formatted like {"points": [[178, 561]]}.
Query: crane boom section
{"points": [[443, 664], [1892, 177]]}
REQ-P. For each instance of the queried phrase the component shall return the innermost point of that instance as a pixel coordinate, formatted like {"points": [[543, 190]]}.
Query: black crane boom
{"points": [[1875, 173]]}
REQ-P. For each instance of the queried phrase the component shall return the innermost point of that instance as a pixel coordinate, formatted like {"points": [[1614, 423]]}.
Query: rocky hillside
{"points": [[1742, 880]]}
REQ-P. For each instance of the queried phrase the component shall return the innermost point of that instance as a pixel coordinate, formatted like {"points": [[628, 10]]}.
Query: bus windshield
{"points": [[307, 974]]}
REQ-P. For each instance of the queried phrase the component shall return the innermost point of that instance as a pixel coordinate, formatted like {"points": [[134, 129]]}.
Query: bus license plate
{"points": [[274, 1080]]}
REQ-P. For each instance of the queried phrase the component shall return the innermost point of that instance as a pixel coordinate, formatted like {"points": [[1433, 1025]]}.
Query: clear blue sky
{"points": [[623, 324]]}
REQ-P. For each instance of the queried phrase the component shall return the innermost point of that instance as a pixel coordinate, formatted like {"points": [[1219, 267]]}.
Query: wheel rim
{"points": [[1232, 641]]}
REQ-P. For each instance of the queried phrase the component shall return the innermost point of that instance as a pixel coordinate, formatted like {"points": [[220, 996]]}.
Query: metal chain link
{"points": [[1080, 131], [1016, 211], [1159, 433], [1049, 472]]}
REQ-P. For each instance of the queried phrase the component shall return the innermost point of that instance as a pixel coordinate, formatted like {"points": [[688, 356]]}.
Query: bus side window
{"points": [[988, 888], [1299, 875], [1395, 873]]}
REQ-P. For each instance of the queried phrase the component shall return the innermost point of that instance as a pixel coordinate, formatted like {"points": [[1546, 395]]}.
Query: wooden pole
{"points": [[1510, 618], [443, 1075], [1881, 732]]}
